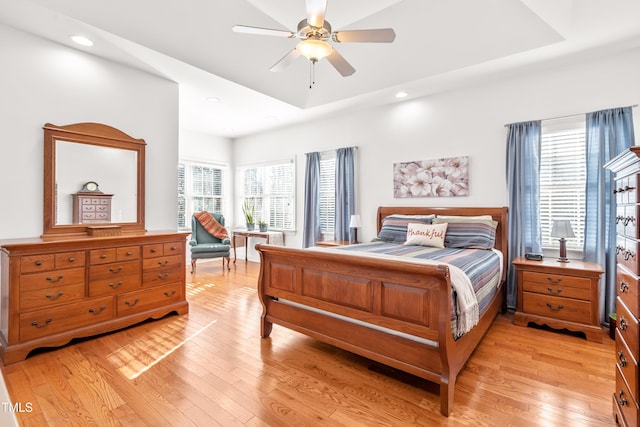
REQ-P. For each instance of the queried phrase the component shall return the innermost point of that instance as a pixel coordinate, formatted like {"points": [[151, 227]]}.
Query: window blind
{"points": [[200, 188], [271, 190], [327, 192], [563, 179]]}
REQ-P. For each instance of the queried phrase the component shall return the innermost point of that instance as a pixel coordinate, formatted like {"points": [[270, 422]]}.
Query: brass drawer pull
{"points": [[629, 254], [166, 294], [129, 253], [52, 298], [173, 248], [163, 275], [38, 263], [131, 304], [623, 361], [115, 286], [619, 249], [153, 251], [162, 263], [623, 324], [554, 281], [624, 287], [72, 259], [103, 256], [46, 322], [100, 310], [619, 218], [551, 291], [627, 188], [54, 280], [114, 270], [558, 308], [622, 401]]}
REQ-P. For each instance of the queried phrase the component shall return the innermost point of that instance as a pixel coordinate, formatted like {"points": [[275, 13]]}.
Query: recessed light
{"points": [[81, 40], [401, 94], [213, 99]]}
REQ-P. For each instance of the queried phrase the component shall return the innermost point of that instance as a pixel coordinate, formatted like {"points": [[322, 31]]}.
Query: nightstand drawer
{"points": [[559, 289], [558, 308], [556, 279]]}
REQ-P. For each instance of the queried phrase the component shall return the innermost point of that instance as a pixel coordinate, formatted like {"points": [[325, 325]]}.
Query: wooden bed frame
{"points": [[402, 297]]}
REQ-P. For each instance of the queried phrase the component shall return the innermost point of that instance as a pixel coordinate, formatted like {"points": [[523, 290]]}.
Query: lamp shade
{"points": [[561, 228], [355, 221]]}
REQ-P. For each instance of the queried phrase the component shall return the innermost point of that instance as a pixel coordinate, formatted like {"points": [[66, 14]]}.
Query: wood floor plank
{"points": [[210, 367]]}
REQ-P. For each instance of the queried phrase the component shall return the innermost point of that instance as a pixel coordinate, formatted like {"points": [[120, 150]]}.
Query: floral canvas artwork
{"points": [[432, 178]]}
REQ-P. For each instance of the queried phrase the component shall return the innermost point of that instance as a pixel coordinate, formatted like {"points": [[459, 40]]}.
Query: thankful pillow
{"points": [[212, 226], [426, 234]]}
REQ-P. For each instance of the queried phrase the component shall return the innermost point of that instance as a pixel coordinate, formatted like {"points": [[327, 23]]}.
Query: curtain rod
{"points": [[355, 147], [568, 115]]}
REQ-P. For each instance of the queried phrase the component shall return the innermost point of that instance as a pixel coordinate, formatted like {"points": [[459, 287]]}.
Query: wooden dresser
{"points": [[55, 289], [559, 295], [90, 208], [626, 168]]}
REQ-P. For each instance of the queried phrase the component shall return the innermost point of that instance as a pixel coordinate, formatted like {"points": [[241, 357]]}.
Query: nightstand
{"points": [[559, 295], [334, 243]]}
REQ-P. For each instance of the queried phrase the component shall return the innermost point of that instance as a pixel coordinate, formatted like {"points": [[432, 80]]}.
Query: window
{"points": [[271, 190], [200, 188], [327, 191], [563, 178]]}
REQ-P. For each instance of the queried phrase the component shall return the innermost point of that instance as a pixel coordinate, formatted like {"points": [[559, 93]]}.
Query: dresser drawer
{"points": [[42, 323], [624, 401], [51, 296], [558, 308], [627, 365], [128, 253], [627, 253], [557, 285], [70, 259], [159, 276], [148, 299], [115, 277], [626, 190], [172, 248], [102, 256], [48, 279], [151, 251], [628, 289], [627, 326], [33, 263]]}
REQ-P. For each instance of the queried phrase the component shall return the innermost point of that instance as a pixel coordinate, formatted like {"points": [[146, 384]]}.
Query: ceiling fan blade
{"points": [[286, 60], [340, 64], [381, 35], [262, 31], [316, 10]]}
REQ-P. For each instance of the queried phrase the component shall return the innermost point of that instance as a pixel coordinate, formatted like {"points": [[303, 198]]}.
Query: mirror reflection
{"points": [[114, 170]]}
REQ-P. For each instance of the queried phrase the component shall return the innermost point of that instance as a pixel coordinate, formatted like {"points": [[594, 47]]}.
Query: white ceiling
{"points": [[439, 45]]}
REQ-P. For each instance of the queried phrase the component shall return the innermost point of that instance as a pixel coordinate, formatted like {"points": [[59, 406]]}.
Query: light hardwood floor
{"points": [[210, 367]]}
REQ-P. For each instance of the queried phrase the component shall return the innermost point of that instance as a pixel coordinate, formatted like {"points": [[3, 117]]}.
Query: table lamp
{"points": [[354, 224], [561, 228]]}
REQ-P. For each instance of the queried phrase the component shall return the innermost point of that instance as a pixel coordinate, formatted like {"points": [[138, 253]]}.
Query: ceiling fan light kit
{"points": [[315, 32]]}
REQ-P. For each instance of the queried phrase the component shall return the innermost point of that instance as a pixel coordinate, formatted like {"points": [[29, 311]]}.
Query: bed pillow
{"points": [[456, 217], [426, 234], [469, 233], [394, 227]]}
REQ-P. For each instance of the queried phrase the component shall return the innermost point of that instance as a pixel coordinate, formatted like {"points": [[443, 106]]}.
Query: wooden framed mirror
{"points": [[96, 160]]}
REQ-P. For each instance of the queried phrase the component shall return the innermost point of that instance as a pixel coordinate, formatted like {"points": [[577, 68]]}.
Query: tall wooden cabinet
{"points": [[55, 289], [626, 168]]}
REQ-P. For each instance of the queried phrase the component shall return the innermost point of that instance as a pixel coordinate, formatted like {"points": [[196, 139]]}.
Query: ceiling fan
{"points": [[314, 33]]}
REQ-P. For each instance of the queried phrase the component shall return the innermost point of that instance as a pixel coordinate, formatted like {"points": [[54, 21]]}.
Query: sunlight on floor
{"points": [[136, 358], [196, 288]]}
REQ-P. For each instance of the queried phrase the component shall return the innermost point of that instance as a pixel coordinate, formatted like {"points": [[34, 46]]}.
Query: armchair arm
{"points": [[193, 242], [226, 241]]}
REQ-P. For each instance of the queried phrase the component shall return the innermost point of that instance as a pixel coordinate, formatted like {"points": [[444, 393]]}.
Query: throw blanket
{"points": [[210, 224], [466, 307]]}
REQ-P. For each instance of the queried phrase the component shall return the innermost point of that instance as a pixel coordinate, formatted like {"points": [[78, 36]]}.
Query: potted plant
{"points": [[262, 226], [249, 212]]}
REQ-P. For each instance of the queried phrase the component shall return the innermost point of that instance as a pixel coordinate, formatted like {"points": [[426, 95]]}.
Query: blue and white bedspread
{"points": [[482, 267]]}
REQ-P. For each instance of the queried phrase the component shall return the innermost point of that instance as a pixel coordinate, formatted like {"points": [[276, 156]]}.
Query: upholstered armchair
{"points": [[205, 245]]}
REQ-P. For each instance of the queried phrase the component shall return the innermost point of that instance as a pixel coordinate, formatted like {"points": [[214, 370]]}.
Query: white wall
{"points": [[468, 121], [43, 82]]}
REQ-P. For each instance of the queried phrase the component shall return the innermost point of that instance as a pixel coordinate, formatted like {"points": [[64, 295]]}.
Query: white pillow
{"points": [[463, 217], [426, 234]]}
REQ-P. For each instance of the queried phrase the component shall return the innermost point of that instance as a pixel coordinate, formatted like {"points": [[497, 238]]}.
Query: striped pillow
{"points": [[469, 233], [394, 227]]}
